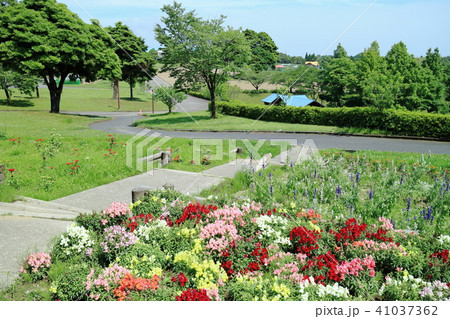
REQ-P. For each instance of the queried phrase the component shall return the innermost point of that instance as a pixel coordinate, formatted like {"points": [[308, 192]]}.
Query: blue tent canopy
{"points": [[293, 100]]}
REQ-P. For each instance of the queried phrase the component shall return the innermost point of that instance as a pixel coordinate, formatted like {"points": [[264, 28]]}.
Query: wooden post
{"points": [[166, 158], [139, 192], [2, 174], [118, 94], [153, 101]]}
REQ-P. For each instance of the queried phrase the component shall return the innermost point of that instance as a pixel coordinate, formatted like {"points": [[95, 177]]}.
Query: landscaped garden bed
{"points": [[341, 228]]}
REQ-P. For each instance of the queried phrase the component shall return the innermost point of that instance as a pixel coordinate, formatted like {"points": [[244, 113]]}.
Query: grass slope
{"points": [[78, 158]]}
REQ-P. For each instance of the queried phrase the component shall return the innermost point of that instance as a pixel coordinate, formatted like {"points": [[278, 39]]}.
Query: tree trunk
{"points": [[55, 100], [115, 89], [8, 97], [55, 91], [131, 90], [213, 103], [37, 91]]}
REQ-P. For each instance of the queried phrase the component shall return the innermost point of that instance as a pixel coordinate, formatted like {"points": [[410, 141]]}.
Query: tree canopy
{"points": [[197, 50], [264, 53], [44, 38], [137, 65], [169, 96]]}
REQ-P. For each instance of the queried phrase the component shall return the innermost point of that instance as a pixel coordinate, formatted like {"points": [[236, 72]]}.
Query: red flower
{"points": [[11, 169], [304, 240], [181, 278], [69, 163], [193, 295]]}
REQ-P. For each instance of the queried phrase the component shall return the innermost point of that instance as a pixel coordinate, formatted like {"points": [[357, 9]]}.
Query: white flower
{"points": [[145, 232], [76, 239]]}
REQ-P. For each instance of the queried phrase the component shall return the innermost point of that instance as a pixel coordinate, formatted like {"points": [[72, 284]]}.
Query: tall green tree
{"points": [[373, 86], [199, 51], [137, 65], [338, 77], [414, 86], [434, 63], [264, 54], [44, 38]]}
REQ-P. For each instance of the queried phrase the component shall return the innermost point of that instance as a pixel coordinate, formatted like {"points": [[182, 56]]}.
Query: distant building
{"points": [[293, 100], [312, 63]]}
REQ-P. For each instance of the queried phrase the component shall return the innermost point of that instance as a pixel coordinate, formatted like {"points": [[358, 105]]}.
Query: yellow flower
{"points": [[53, 288], [293, 205], [314, 227], [155, 271]]}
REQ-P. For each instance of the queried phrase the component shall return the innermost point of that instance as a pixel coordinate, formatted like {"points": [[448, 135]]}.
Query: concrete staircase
{"points": [[29, 207]]}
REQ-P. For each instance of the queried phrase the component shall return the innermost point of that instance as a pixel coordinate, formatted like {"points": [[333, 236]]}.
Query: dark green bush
{"points": [[397, 122]]}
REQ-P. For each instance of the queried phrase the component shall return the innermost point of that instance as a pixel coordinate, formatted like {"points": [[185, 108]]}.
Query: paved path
{"points": [[122, 124]]}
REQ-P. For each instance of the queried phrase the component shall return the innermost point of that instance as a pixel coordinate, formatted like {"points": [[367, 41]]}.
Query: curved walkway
{"points": [[121, 124]]}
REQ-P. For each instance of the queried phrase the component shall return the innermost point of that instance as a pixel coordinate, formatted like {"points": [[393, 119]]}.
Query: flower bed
{"points": [[171, 249]]}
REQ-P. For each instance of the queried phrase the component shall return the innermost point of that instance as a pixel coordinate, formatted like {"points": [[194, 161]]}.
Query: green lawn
{"points": [[85, 97], [78, 158], [252, 98], [203, 121]]}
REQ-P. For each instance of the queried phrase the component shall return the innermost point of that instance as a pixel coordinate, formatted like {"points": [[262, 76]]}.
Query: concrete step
{"points": [[23, 209], [51, 205]]}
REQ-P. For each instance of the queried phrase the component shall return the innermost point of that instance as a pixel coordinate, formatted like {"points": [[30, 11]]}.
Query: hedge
{"points": [[201, 95], [397, 122]]}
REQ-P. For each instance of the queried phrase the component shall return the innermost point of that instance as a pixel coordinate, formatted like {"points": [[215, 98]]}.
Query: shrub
{"points": [[397, 122], [68, 286]]}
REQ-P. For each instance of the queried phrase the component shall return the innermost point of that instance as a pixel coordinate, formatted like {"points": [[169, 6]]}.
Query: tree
{"points": [[285, 78], [338, 77], [311, 57], [286, 59], [44, 38], [137, 65], [264, 54], [414, 86], [8, 79], [434, 63], [169, 96], [340, 52], [374, 86], [255, 78], [199, 51]]}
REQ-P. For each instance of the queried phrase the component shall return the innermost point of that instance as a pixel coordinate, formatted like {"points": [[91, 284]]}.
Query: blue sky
{"points": [[297, 26]]}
